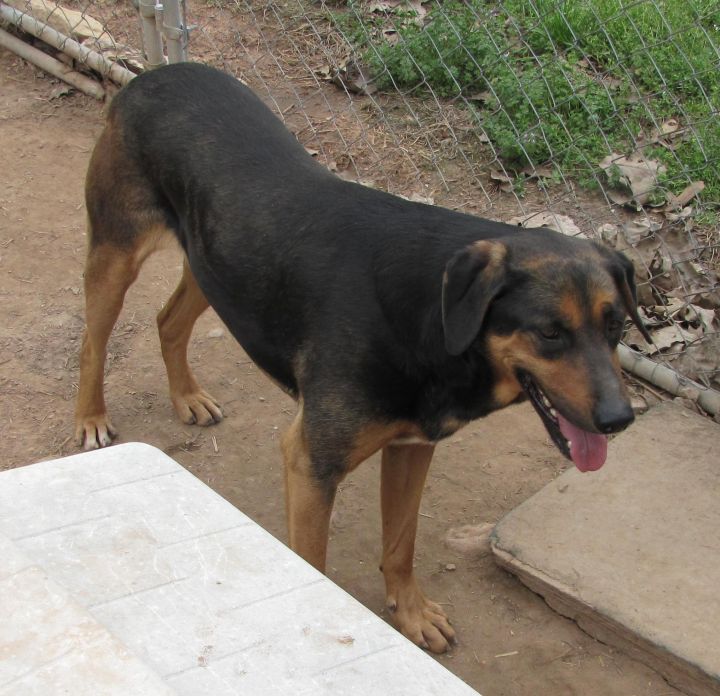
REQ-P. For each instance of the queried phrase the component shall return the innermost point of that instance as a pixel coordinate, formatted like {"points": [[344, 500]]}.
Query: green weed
{"points": [[568, 81]]}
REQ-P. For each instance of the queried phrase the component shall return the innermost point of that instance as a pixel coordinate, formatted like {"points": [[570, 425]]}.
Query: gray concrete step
{"points": [[632, 552]]}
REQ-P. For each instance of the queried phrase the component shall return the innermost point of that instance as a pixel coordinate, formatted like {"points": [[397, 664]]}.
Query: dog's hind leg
{"points": [[404, 469], [109, 272], [175, 323]]}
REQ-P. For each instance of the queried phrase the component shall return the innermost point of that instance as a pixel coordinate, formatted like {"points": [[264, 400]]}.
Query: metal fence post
{"points": [[174, 30], [163, 23], [151, 37]]}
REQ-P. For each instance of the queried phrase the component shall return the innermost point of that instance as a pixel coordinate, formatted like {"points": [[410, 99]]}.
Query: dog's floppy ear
{"points": [[472, 278], [623, 273]]}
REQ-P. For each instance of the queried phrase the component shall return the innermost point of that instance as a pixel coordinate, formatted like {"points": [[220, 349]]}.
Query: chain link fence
{"points": [[595, 117]]}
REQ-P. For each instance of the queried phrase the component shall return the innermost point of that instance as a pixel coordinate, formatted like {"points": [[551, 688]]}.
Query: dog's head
{"points": [[548, 312]]}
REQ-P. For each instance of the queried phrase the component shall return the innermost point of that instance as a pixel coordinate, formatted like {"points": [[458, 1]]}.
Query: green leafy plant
{"points": [[567, 81]]}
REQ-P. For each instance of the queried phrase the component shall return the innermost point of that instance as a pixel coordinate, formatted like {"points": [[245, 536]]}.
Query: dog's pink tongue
{"points": [[588, 450]]}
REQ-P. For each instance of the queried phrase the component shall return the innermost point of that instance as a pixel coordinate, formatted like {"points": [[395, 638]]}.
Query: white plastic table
{"points": [[122, 573]]}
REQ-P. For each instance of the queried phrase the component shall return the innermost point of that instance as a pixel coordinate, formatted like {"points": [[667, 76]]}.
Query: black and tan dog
{"points": [[392, 323]]}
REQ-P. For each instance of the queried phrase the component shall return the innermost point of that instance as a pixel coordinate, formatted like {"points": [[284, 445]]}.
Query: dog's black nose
{"points": [[613, 417]]}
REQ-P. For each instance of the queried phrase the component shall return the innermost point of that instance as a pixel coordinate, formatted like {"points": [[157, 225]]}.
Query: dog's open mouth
{"points": [[586, 450]]}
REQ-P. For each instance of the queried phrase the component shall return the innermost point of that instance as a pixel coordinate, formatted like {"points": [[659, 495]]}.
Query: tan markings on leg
{"points": [[404, 469], [308, 503], [175, 324], [108, 274], [376, 435]]}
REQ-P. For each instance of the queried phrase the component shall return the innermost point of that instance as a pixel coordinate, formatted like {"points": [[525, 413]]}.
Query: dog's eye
{"points": [[550, 334]]}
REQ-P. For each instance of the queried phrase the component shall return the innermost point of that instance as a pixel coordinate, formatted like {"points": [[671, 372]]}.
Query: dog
{"points": [[392, 323]]}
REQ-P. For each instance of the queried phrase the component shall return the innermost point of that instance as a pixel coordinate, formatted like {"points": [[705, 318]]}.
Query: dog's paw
{"points": [[197, 407], [420, 620], [93, 432]]}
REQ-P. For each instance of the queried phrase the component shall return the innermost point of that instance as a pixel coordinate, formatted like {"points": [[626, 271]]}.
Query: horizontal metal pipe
{"points": [[51, 65], [669, 380], [63, 43]]}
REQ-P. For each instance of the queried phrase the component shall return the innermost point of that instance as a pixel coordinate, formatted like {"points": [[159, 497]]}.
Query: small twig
{"points": [[59, 448], [660, 395]]}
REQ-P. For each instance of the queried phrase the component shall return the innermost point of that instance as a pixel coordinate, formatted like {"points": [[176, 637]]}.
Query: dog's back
{"points": [[279, 245], [228, 130]]}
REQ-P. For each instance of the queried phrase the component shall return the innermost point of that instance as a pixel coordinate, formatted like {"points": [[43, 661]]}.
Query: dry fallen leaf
{"points": [[636, 175], [683, 214], [701, 363], [543, 171], [480, 96], [355, 77], [416, 6], [636, 230], [383, 5], [664, 339], [676, 203], [419, 198], [502, 180], [324, 72], [560, 223], [667, 133], [705, 319], [62, 90], [609, 234], [399, 6]]}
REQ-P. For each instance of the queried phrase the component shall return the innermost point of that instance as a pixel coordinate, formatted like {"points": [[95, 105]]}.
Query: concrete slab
{"points": [[141, 552], [632, 552]]}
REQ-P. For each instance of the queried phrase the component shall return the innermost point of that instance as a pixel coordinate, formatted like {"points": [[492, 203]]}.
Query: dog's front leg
{"points": [[404, 468], [308, 502]]}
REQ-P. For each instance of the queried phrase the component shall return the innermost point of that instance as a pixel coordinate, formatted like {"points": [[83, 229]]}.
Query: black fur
{"points": [[332, 288]]}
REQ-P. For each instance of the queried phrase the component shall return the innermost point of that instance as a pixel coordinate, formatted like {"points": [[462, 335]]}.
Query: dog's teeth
{"points": [[553, 412], [569, 443]]}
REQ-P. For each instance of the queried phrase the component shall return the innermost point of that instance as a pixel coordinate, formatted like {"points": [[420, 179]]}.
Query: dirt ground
{"points": [[511, 643]]}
